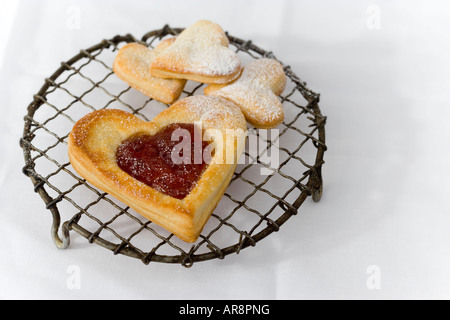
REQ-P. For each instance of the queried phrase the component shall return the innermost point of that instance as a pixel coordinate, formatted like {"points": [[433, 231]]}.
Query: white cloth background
{"points": [[383, 70]]}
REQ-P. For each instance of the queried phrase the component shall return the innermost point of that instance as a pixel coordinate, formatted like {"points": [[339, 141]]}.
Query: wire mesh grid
{"points": [[259, 200]]}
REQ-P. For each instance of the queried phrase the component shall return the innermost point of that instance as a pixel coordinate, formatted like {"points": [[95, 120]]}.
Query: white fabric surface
{"points": [[383, 70]]}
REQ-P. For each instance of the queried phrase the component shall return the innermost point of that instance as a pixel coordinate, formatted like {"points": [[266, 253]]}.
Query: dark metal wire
{"points": [[206, 248]]}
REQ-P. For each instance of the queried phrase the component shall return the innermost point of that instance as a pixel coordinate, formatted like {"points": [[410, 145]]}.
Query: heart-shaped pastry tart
{"points": [[132, 65], [200, 53], [155, 167], [256, 92]]}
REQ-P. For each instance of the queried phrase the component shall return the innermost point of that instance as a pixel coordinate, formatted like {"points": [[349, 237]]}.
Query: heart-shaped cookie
{"points": [[200, 53], [132, 65], [112, 149], [256, 92]]}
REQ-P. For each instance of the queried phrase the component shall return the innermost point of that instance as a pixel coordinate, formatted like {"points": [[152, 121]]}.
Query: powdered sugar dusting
{"points": [[216, 112], [138, 61], [200, 49], [256, 91]]}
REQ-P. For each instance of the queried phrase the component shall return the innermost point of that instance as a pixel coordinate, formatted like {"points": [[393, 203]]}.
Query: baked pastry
{"points": [[132, 65], [136, 161], [200, 53], [256, 92]]}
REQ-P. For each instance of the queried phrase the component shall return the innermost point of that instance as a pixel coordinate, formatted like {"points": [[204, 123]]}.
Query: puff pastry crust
{"points": [[132, 65], [94, 140], [256, 92], [200, 53]]}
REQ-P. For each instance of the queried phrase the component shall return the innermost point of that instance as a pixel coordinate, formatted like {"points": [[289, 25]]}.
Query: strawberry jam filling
{"points": [[170, 161]]}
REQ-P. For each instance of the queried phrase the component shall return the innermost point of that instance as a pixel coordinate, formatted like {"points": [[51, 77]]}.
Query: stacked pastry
{"points": [[137, 161]]}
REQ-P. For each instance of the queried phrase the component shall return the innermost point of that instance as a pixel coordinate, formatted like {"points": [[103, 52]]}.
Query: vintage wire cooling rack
{"points": [[255, 205]]}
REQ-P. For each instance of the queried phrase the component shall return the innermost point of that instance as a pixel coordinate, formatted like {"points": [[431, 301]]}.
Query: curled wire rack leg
{"points": [[316, 185], [61, 242], [64, 241], [317, 193]]}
